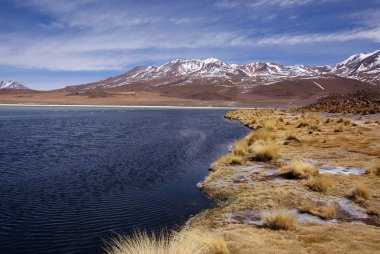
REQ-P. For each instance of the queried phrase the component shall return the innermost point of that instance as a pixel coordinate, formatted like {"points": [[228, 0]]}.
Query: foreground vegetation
{"points": [[305, 183], [298, 183], [193, 241]]}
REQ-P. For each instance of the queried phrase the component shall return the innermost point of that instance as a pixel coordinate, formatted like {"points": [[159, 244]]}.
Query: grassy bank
{"points": [[298, 183]]}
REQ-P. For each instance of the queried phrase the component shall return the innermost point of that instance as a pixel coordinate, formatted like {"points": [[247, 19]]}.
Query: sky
{"points": [[48, 44]]}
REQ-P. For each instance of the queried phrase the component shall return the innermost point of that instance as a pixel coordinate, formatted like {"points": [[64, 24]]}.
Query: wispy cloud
{"points": [[227, 4], [283, 3], [371, 35]]}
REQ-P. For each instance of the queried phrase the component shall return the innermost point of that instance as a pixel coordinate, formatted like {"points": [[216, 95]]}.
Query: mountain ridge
{"points": [[364, 67]]}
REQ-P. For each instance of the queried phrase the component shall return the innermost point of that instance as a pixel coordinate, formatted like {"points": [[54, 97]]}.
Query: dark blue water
{"points": [[72, 178]]}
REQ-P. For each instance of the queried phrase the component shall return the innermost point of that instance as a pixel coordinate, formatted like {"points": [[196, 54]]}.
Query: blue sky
{"points": [[47, 44]]}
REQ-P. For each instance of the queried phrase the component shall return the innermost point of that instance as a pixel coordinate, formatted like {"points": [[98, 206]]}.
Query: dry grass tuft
{"points": [[314, 127], [293, 136], [347, 122], [268, 124], [302, 123], [299, 169], [339, 129], [361, 193], [234, 160], [324, 212], [229, 159], [184, 242], [264, 150], [315, 117], [373, 211], [280, 220], [240, 148], [260, 134], [319, 183], [373, 168], [204, 240]]}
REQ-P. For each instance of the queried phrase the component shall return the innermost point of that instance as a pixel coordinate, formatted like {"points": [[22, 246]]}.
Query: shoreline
{"points": [[127, 106]]}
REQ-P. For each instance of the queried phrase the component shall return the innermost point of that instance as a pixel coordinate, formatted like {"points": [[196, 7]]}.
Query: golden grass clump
{"points": [[324, 212], [235, 160], [347, 122], [260, 134], [264, 150], [293, 136], [240, 148], [373, 168], [314, 127], [302, 123], [299, 169], [315, 117], [319, 183], [338, 129], [204, 241], [280, 220], [361, 193], [184, 242], [229, 159], [268, 124]]}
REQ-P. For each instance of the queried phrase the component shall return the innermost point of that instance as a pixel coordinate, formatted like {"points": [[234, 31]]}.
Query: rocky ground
{"points": [[359, 102]]}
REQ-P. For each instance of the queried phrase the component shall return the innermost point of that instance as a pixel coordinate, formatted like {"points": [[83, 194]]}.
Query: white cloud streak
{"points": [[227, 4], [371, 35], [282, 3]]}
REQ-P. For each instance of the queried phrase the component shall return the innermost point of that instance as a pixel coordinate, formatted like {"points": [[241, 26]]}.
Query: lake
{"points": [[71, 177]]}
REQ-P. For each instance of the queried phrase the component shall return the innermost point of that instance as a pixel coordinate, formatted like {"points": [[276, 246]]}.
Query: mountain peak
{"points": [[363, 66], [11, 84], [211, 60]]}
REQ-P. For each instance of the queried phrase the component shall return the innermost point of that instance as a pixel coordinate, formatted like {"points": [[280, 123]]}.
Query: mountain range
{"points": [[363, 67], [220, 83]]}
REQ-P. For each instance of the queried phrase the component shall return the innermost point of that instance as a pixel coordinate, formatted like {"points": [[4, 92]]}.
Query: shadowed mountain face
{"points": [[212, 79]]}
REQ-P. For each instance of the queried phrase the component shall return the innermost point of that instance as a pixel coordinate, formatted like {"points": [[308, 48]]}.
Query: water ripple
{"points": [[70, 179]]}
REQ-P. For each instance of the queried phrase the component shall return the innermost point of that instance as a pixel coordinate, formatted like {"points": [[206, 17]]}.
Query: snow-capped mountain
{"points": [[215, 68], [363, 66], [214, 72], [11, 85], [358, 67], [182, 67], [273, 69]]}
